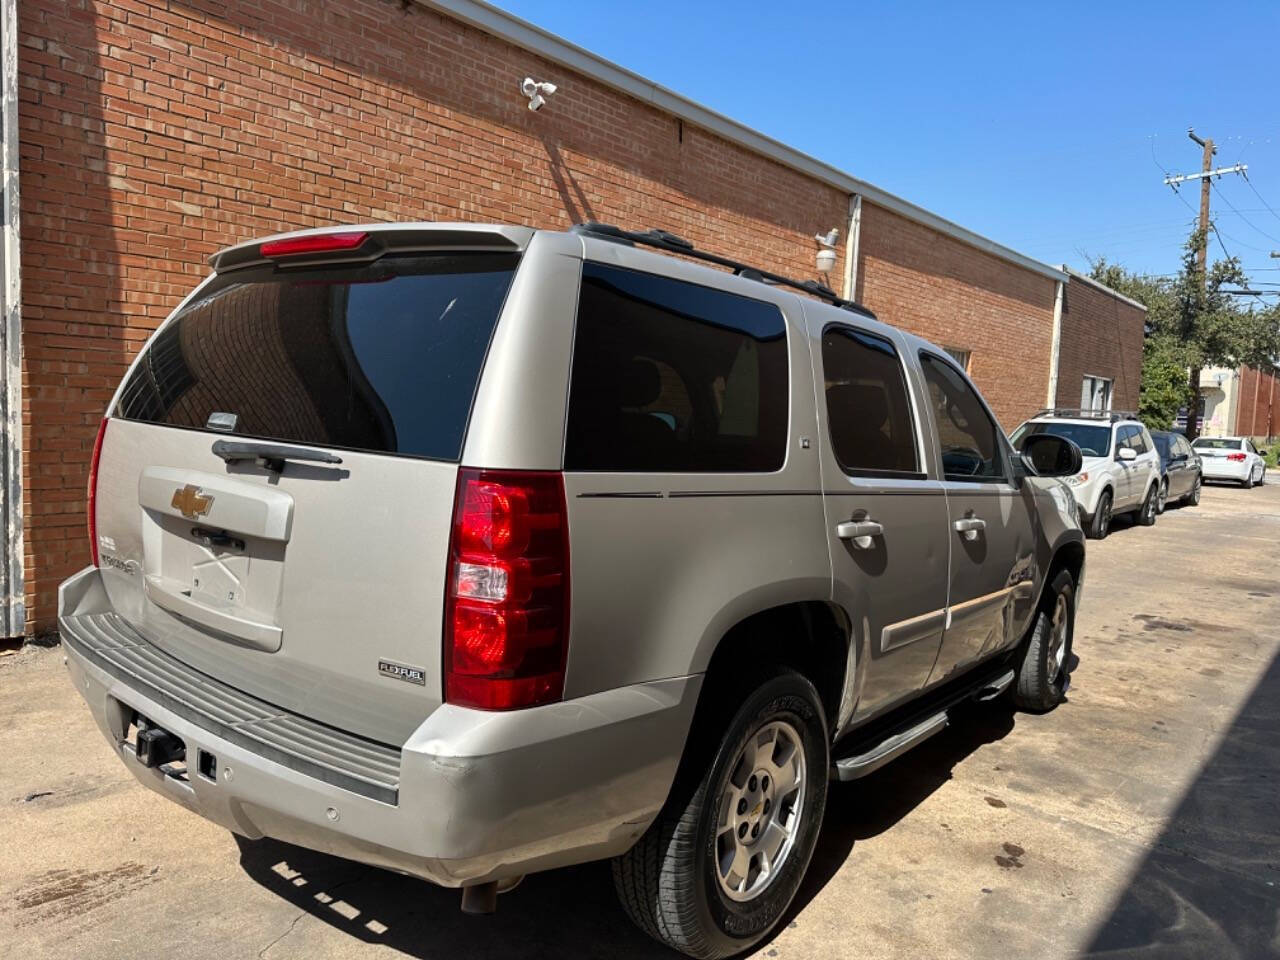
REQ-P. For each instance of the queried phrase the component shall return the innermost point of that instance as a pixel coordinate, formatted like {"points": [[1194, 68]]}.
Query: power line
{"points": [[1223, 198], [1260, 197]]}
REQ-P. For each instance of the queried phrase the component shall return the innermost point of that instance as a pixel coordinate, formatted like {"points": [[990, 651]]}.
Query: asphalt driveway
{"points": [[1140, 819]]}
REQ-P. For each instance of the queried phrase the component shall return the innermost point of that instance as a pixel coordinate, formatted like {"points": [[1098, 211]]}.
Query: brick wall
{"points": [[1102, 337], [154, 133], [961, 298], [1258, 404]]}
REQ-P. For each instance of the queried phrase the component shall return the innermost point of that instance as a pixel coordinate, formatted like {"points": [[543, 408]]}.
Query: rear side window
{"points": [[868, 416], [969, 438], [383, 357], [674, 377]]}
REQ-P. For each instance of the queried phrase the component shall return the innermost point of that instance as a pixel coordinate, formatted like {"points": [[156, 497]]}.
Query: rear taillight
{"points": [[314, 243], [507, 610], [93, 491], [1236, 457]]}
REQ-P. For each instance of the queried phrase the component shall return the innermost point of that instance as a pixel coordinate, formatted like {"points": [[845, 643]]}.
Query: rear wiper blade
{"points": [[270, 455]]}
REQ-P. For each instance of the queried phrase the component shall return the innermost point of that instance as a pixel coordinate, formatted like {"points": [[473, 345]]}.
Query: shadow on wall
{"points": [[574, 911], [74, 305], [1210, 887]]}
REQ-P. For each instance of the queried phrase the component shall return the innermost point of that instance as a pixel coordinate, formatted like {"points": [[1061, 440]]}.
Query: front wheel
{"points": [[1101, 524], [1162, 498], [1043, 676], [1147, 515], [717, 869]]}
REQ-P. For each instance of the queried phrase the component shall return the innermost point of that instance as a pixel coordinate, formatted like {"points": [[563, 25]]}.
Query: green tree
{"points": [[1193, 321]]}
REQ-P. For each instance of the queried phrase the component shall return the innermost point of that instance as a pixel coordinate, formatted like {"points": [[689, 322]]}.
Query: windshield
{"points": [[1093, 441], [1215, 443], [383, 357]]}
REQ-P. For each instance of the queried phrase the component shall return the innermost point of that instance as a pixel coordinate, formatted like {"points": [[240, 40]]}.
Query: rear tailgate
{"points": [[315, 586]]}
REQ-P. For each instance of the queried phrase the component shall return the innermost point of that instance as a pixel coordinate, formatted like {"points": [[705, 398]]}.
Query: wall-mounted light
{"points": [[537, 92], [826, 257]]}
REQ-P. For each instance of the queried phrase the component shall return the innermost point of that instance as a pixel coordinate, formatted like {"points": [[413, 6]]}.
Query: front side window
{"points": [[968, 437], [868, 414], [673, 377], [382, 357]]}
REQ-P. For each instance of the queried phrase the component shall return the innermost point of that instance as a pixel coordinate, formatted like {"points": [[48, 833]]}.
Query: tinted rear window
{"points": [[674, 377], [1207, 443], [383, 357]]}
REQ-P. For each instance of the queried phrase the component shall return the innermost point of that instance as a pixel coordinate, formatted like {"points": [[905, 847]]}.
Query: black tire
{"points": [[1039, 687], [1162, 497], [1193, 498], [1101, 523], [668, 882], [1247, 482], [1147, 512]]}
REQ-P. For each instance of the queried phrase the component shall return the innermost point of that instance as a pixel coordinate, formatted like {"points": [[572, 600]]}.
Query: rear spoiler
{"points": [[378, 239]]}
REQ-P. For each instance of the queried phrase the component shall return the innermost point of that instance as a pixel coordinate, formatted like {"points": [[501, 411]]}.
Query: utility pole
{"points": [[1205, 176]]}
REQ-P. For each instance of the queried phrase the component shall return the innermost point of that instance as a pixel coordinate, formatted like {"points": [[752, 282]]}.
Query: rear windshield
{"points": [[383, 357], [1092, 441], [1215, 443]]}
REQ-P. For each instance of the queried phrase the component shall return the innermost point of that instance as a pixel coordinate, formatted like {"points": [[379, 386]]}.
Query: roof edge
{"points": [[1097, 284], [521, 33]]}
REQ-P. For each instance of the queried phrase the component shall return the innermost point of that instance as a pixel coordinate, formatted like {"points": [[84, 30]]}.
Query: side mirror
{"points": [[1262, 453], [1045, 455], [1127, 454]]}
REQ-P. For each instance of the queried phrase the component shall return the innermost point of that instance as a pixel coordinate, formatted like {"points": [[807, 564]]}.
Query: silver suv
{"points": [[471, 551], [1120, 469]]}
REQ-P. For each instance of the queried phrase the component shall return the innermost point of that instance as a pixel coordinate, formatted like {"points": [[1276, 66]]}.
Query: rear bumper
{"points": [[477, 796], [1220, 468]]}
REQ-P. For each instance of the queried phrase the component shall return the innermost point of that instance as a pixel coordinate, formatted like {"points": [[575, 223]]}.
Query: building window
{"points": [[959, 356], [1096, 394]]}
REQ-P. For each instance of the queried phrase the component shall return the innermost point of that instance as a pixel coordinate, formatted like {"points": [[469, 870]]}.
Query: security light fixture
{"points": [[537, 92], [826, 257]]}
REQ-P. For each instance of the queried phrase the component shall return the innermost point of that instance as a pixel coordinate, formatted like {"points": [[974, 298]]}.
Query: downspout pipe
{"points": [[1051, 400], [852, 238]]}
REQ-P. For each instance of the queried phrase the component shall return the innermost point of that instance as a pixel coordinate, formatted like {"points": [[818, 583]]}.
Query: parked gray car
{"points": [[470, 551]]}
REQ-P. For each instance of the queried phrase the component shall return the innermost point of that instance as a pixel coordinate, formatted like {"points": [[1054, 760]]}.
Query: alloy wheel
{"points": [[759, 811], [1058, 638]]}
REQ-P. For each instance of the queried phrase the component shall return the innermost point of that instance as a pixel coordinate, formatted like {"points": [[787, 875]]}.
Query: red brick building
{"points": [[1099, 346], [149, 133]]}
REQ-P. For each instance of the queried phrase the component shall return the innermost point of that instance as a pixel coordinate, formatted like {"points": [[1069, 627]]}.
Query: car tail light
{"points": [[93, 491], [314, 243], [507, 608], [1236, 457]]}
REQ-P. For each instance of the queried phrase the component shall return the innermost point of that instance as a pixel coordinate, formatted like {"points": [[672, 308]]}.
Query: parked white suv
{"points": [[1120, 472]]}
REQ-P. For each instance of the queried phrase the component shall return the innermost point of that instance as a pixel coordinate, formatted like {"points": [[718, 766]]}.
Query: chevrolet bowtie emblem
{"points": [[190, 502]]}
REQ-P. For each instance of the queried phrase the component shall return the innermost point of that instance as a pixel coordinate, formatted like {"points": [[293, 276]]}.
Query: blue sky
{"points": [[1042, 126]]}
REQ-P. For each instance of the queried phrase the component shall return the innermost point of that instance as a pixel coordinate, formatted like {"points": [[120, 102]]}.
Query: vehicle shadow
{"points": [[574, 911]]}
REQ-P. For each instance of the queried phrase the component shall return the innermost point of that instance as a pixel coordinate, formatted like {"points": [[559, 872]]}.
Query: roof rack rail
{"points": [[662, 240], [1112, 416]]}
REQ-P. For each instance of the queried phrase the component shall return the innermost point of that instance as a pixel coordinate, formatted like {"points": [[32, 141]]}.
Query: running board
{"points": [[995, 687], [861, 764]]}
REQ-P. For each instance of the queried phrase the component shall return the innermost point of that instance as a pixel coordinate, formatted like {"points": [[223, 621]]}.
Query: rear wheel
{"points": [[720, 865], [1101, 524], [1043, 676], [1162, 498], [1247, 482], [1147, 513]]}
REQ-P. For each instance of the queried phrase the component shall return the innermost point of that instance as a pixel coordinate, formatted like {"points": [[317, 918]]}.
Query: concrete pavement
{"points": [[1140, 819]]}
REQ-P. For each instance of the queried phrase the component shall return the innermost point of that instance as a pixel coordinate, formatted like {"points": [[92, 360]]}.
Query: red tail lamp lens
{"points": [[1237, 457], [92, 505], [507, 610], [313, 243]]}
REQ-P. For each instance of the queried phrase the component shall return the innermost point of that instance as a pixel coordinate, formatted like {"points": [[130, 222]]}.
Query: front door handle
{"points": [[860, 532], [968, 527]]}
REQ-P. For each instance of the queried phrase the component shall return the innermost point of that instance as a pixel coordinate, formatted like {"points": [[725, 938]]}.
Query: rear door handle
{"points": [[968, 527], [860, 532]]}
